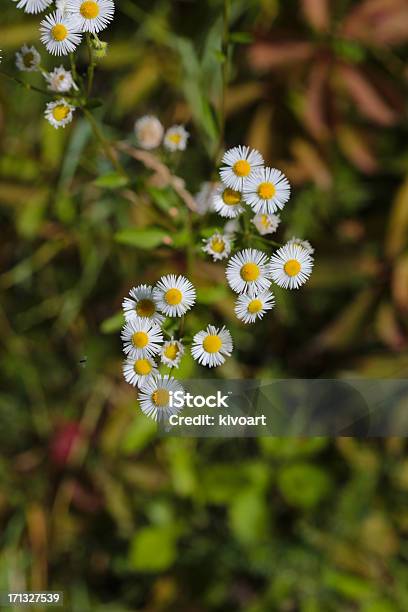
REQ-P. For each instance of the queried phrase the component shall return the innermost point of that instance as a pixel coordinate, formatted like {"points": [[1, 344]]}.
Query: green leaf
{"points": [[211, 295], [112, 180], [348, 585], [303, 485], [249, 516], [242, 38], [138, 435], [113, 323], [141, 238], [153, 549], [220, 56]]}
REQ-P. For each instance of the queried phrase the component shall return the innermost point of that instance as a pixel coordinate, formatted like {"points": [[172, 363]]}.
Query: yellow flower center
{"points": [[212, 344], [292, 267], [175, 138], [171, 351], [89, 9], [242, 168], [59, 32], [231, 197], [255, 306], [173, 297], [161, 397], [28, 59], [266, 191], [265, 221], [142, 367], [60, 112], [145, 308], [250, 272], [218, 245], [140, 339]]}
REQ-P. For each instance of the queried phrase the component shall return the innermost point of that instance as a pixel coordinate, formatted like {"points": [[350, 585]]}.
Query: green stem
{"points": [[224, 77], [91, 66], [73, 67], [25, 85], [107, 147], [190, 245]]}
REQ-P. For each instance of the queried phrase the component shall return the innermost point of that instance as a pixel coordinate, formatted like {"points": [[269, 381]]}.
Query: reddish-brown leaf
{"points": [[317, 14], [400, 283], [266, 56], [315, 101], [379, 22], [355, 146], [313, 164], [388, 328], [369, 101], [397, 234]]}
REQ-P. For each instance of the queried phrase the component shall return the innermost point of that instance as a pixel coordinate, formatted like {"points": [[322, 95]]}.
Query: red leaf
{"points": [[380, 22], [317, 14], [266, 56], [315, 102], [354, 145], [368, 99]]}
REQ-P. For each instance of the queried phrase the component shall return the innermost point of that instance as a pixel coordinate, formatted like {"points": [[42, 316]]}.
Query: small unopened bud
{"points": [[100, 48]]}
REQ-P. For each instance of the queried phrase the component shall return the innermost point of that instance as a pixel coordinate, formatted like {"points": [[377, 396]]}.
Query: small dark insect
{"points": [[82, 361]]}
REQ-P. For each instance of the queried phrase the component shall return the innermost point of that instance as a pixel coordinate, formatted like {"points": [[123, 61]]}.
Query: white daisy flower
{"points": [[137, 370], [266, 224], [291, 266], [176, 138], [303, 244], [33, 6], [252, 306], [91, 15], [171, 353], [218, 246], [61, 5], [59, 113], [240, 165], [231, 227], [228, 202], [60, 33], [249, 270], [267, 190], [155, 397], [28, 59], [149, 132], [142, 304], [141, 338], [211, 346], [60, 80], [174, 295], [204, 198]]}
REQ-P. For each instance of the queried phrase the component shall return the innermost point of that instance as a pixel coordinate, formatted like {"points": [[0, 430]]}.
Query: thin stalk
{"points": [[107, 147], [91, 65], [24, 84], [73, 66], [190, 244], [224, 76]]}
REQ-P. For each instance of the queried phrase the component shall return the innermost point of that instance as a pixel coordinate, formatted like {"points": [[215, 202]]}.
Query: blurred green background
{"points": [[91, 501]]}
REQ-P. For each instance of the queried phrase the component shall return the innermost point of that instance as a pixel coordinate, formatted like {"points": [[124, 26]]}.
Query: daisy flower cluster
{"points": [[61, 31], [248, 185], [148, 346], [150, 134]]}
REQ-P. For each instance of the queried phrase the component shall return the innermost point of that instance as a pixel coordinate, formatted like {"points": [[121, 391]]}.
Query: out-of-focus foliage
{"points": [[91, 502]]}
